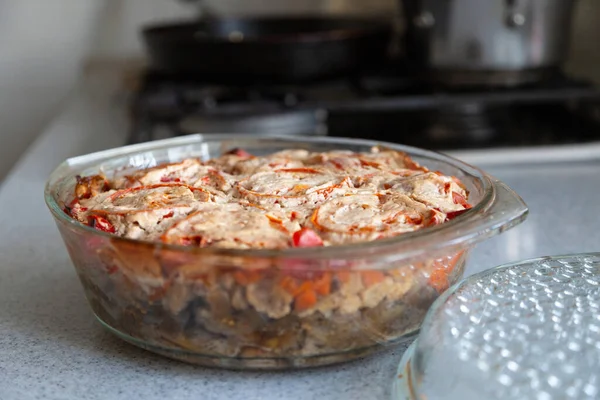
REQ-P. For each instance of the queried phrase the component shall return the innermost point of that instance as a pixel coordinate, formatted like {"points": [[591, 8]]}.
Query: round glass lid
{"points": [[529, 330]]}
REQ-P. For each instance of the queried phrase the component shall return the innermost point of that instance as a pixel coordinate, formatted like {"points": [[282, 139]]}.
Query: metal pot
{"points": [[489, 41], [294, 7]]}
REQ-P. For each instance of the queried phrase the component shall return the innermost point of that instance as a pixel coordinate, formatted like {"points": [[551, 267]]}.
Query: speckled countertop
{"points": [[51, 347]]}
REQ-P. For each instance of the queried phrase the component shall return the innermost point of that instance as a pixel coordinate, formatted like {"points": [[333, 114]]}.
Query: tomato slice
{"points": [[101, 223], [453, 214], [458, 198], [239, 153], [167, 179], [195, 241], [169, 215], [306, 237]]}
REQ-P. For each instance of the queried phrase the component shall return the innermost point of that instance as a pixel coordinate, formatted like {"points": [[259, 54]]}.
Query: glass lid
{"points": [[529, 330]]}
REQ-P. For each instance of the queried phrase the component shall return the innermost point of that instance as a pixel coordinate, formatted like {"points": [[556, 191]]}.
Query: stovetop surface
{"points": [[387, 106]]}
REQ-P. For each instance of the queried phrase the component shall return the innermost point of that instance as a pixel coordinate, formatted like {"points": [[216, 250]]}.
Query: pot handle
{"points": [[515, 15]]}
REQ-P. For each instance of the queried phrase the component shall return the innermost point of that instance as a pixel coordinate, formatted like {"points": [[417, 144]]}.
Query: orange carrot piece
{"points": [[245, 278], [370, 278], [343, 276], [323, 284], [289, 284], [307, 286], [305, 300], [438, 280], [441, 271]]}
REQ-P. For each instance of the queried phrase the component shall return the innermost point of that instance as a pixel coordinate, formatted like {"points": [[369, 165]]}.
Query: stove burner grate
{"points": [[385, 106]]}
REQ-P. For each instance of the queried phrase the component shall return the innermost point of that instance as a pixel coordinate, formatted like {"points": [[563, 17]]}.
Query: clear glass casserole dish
{"points": [[232, 308]]}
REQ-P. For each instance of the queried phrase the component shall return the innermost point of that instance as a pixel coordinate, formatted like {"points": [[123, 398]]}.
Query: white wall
{"points": [[118, 35], [42, 43]]}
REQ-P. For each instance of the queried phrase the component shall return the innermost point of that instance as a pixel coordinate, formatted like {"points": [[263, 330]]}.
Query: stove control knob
{"points": [[515, 20], [424, 20]]}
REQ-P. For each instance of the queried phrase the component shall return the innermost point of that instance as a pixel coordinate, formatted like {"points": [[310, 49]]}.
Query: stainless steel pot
{"points": [[497, 41]]}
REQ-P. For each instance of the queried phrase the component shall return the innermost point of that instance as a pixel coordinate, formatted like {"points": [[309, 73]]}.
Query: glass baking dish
{"points": [[227, 308]]}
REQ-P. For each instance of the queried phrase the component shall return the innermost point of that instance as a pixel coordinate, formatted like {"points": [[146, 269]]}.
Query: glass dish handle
{"points": [[505, 211]]}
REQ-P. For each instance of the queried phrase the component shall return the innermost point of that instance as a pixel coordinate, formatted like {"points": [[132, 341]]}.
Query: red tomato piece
{"points": [[453, 214], [447, 187], [195, 241], [169, 215], [239, 153], [101, 223], [306, 237], [458, 198], [337, 164], [167, 179]]}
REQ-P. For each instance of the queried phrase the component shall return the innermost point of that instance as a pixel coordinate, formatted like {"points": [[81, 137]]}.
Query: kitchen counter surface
{"points": [[51, 347]]}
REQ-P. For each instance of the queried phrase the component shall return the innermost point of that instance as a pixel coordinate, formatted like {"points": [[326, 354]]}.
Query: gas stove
{"points": [[385, 105]]}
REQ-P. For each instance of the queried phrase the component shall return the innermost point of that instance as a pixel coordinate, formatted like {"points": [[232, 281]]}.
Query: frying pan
{"points": [[282, 49]]}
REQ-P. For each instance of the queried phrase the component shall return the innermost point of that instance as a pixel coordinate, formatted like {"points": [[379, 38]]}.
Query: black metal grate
{"points": [[388, 106]]}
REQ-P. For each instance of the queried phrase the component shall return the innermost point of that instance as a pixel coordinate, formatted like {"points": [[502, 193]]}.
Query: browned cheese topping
{"points": [[292, 198]]}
